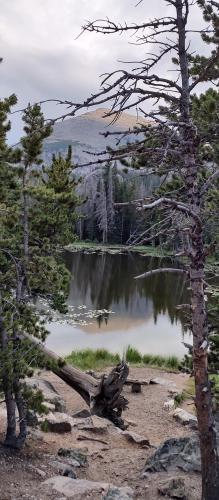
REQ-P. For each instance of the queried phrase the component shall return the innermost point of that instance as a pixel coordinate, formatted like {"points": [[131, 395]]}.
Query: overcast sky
{"points": [[43, 59]]}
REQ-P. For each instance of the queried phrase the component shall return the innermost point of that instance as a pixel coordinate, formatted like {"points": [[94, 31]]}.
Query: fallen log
{"points": [[103, 396], [129, 381]]}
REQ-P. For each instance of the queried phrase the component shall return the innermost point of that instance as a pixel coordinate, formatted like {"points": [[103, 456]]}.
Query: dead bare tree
{"points": [[173, 143]]}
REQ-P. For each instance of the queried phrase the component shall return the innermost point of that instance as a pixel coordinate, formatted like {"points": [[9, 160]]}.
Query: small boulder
{"points": [[173, 488], [48, 391], [185, 418], [82, 488], [130, 422], [136, 438], [35, 434], [115, 493], [169, 405], [69, 472], [81, 414], [164, 382], [76, 488], [61, 466], [74, 454], [51, 407], [95, 424], [56, 422], [176, 453]]}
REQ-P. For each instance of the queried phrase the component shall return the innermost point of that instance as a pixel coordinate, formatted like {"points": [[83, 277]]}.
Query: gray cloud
{"points": [[42, 58]]}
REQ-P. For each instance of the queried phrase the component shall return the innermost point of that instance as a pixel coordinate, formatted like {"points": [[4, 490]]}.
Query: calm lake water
{"points": [[144, 311]]}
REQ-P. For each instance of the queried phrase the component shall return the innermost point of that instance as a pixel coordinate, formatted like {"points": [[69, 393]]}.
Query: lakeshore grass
{"points": [[89, 359], [113, 248]]}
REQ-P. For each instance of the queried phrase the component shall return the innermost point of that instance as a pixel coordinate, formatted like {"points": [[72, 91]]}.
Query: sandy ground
{"points": [[119, 462]]}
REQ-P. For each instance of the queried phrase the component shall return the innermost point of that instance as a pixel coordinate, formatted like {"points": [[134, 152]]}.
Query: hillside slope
{"points": [[84, 134]]}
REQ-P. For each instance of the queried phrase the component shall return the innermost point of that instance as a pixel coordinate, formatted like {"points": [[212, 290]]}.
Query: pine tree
{"points": [[101, 210], [28, 264], [54, 212]]}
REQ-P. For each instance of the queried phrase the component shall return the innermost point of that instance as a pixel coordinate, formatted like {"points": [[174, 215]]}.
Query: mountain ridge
{"points": [[84, 131]]}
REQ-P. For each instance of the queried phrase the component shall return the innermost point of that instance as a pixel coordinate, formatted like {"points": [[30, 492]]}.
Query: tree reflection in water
{"points": [[105, 281]]}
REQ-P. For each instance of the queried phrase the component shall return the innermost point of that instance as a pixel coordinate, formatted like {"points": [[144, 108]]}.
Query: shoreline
{"points": [[117, 249]]}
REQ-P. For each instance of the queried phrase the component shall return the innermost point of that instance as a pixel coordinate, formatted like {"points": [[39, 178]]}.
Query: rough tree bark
{"points": [[10, 439], [207, 433]]}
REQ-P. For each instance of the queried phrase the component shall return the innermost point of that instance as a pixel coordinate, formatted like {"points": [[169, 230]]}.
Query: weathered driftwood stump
{"points": [[103, 395]]}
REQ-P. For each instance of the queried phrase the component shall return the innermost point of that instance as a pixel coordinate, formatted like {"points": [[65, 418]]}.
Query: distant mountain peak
{"points": [[84, 131], [124, 120]]}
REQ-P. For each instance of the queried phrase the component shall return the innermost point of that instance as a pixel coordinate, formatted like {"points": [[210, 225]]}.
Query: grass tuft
{"points": [[170, 362], [132, 355], [89, 359]]}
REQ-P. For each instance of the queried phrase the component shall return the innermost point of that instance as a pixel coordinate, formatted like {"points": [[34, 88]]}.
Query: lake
{"points": [[144, 312]]}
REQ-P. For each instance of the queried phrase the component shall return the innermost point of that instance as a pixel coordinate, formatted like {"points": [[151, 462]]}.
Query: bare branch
{"points": [[107, 27], [160, 270], [181, 207]]}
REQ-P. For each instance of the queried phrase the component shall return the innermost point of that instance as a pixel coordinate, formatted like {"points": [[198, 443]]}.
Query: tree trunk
{"points": [[103, 396], [11, 438], [9, 400], [25, 233], [22, 412], [203, 400]]}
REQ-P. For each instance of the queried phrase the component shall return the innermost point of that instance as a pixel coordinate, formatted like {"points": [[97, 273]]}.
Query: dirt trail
{"points": [[120, 462]]}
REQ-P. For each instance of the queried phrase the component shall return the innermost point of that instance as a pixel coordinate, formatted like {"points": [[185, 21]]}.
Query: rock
{"points": [[81, 414], [75, 488], [136, 438], [173, 488], [145, 475], [49, 392], [62, 422], [185, 418], [61, 466], [95, 424], [36, 434], [164, 382], [176, 453], [80, 488], [40, 472], [132, 423], [114, 493], [56, 422], [69, 472], [49, 406], [74, 454], [169, 405]]}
